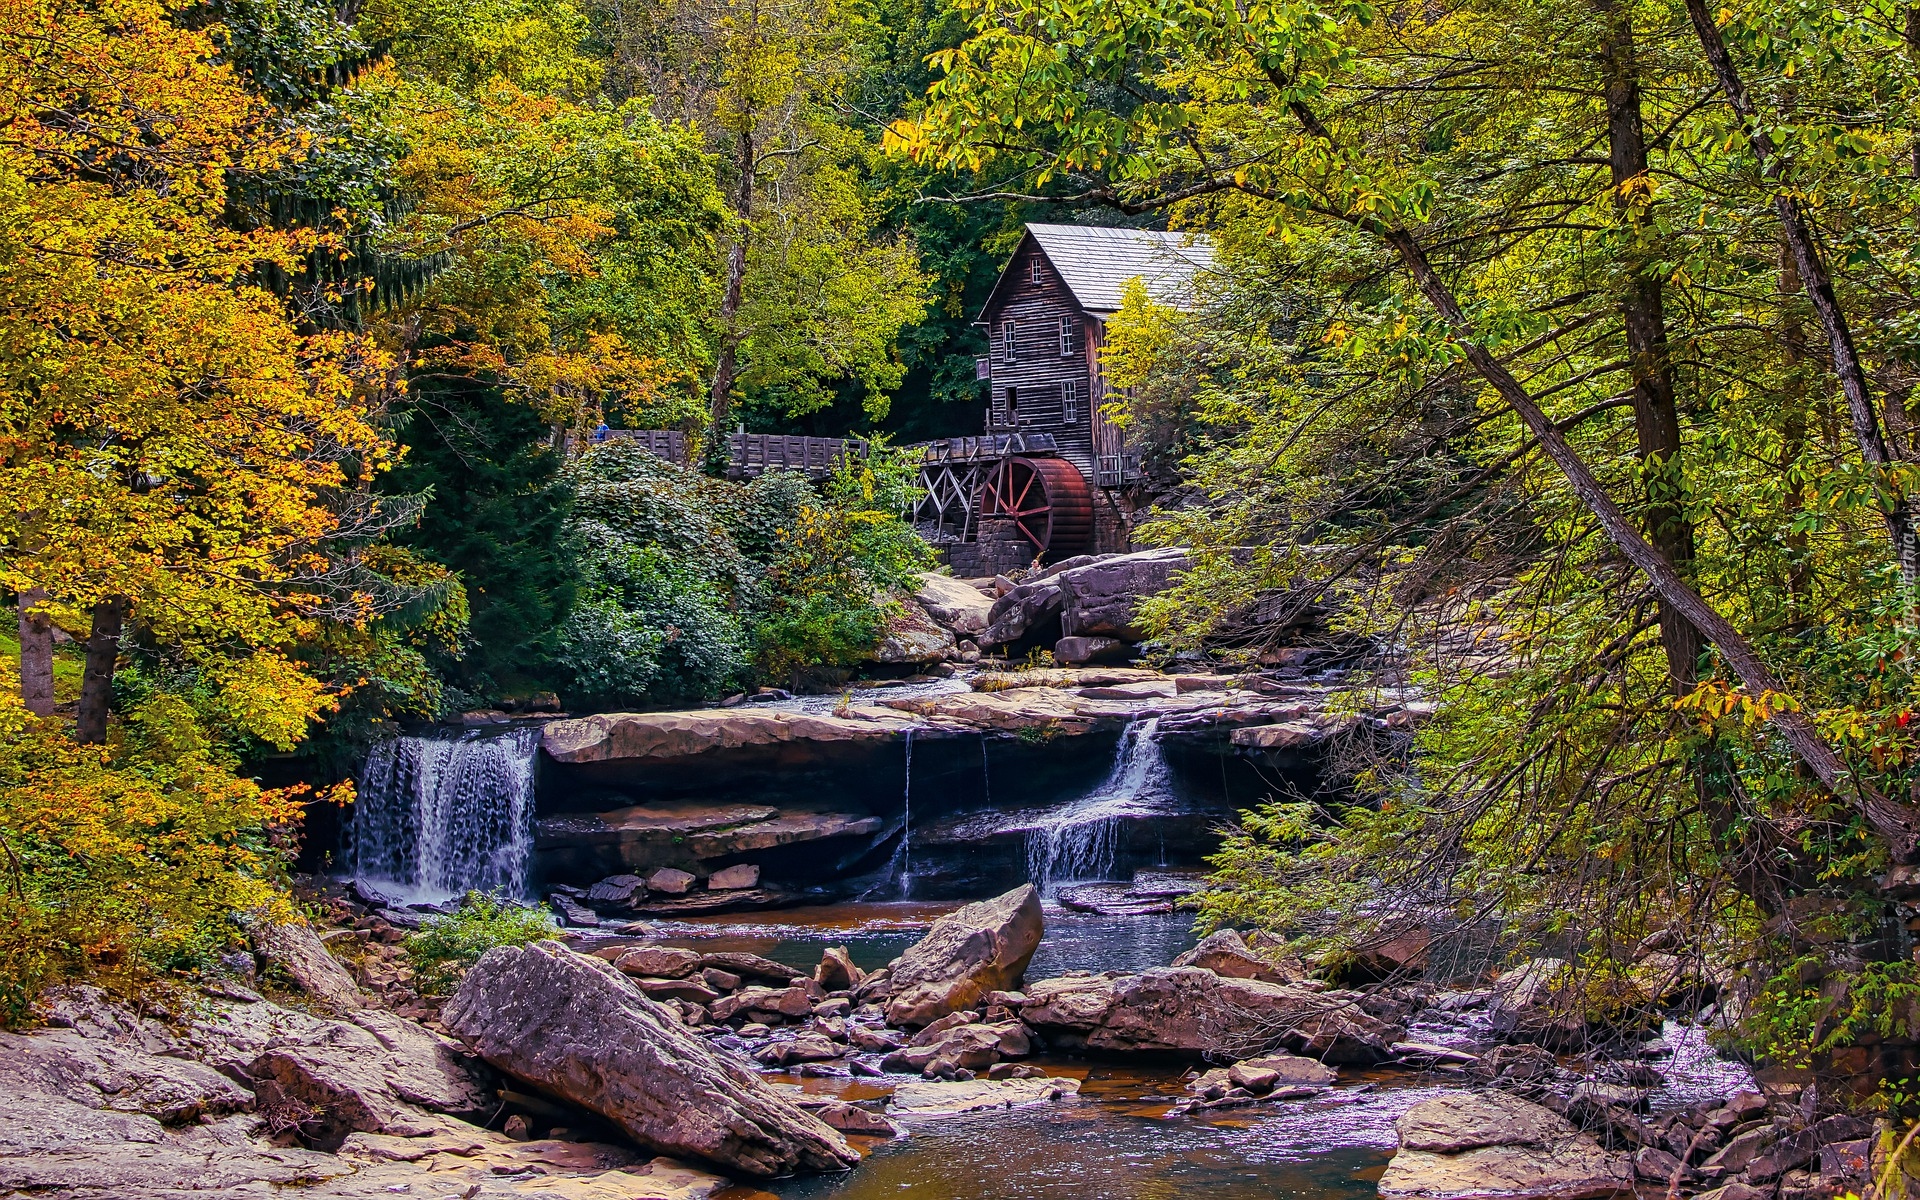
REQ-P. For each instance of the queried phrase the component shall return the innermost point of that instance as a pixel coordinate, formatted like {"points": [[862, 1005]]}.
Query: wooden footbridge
{"points": [[1015, 480]]}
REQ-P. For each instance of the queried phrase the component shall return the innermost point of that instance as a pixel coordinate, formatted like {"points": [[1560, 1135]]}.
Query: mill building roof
{"points": [[1097, 261]]}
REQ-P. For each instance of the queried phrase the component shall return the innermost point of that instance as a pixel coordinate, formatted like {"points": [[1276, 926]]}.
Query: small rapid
{"points": [[438, 817], [1079, 839]]}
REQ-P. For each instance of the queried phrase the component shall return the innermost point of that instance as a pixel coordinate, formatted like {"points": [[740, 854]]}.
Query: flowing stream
{"points": [[438, 817]]}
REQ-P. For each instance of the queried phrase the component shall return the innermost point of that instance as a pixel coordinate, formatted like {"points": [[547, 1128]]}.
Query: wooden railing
{"points": [[986, 449], [755, 454]]}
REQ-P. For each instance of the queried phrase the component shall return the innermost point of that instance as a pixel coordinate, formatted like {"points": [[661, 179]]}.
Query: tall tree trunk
{"points": [[96, 686], [1793, 430], [726, 362], [1875, 449], [1890, 819], [1656, 419], [36, 655]]}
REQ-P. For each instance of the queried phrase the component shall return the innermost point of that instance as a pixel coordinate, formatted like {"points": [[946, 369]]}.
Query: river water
{"points": [[1118, 1139]]}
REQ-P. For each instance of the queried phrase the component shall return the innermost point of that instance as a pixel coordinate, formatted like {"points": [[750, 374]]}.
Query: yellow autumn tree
{"points": [[172, 444]]}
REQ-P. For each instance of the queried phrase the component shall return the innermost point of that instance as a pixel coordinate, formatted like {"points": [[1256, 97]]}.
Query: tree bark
{"points": [[36, 655], [1656, 418], [1793, 432], [1818, 282], [726, 362], [96, 686]]}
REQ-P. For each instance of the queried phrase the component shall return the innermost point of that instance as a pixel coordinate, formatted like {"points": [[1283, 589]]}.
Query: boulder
{"points": [[745, 1003], [671, 880], [1225, 952], [574, 1026], [836, 971], [1192, 1011], [808, 1047], [617, 890], [1282, 735], [1404, 953], [752, 966], [1078, 650], [980, 948], [374, 1072], [1487, 1144], [1103, 597], [925, 1098], [572, 912], [1021, 612], [690, 991], [297, 952], [959, 607], [1287, 1070], [970, 1047], [1479, 1119], [658, 962], [851, 1118], [911, 636], [734, 878]]}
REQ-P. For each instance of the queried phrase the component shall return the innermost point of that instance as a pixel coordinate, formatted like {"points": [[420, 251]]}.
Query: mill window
{"points": [[1006, 341], [1069, 335], [1070, 403], [1037, 276], [1013, 406]]}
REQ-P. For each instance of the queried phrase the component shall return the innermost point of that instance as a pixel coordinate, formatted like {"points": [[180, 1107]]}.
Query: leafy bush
{"points": [[687, 580], [123, 865], [445, 947]]}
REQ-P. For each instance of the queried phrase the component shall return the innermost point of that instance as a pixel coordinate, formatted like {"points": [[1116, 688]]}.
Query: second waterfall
{"points": [[438, 817]]}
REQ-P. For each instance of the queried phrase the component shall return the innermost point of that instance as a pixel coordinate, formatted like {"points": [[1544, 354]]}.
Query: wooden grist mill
{"points": [[1052, 477]]}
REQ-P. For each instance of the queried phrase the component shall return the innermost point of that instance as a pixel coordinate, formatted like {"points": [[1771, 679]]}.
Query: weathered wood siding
{"points": [[1039, 372]]}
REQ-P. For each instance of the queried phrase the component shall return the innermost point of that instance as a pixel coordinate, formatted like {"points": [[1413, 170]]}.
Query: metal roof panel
{"points": [[1096, 261]]}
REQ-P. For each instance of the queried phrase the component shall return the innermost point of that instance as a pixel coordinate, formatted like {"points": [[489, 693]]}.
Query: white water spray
{"points": [[437, 817], [1079, 840]]}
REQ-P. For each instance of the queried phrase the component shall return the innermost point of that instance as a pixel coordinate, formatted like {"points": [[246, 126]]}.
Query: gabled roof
{"points": [[1096, 261]]}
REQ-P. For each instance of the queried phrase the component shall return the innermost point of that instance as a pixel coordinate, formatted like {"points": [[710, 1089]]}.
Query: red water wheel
{"points": [[1047, 499]]}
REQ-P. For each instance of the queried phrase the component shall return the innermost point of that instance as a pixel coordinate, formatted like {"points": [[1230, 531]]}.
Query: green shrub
{"points": [[445, 947]]}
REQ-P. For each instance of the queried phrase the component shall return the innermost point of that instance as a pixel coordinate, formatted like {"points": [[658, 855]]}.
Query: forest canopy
{"points": [[1564, 350]]}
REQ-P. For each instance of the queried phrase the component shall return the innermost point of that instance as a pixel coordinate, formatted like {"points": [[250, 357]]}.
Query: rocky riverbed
{"points": [[928, 1052]]}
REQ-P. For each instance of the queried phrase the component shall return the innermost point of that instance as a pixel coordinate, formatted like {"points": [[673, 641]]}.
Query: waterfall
{"points": [[986, 775], [906, 829], [1079, 840], [438, 817]]}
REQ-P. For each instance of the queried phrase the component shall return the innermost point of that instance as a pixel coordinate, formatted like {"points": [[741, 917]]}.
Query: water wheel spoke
{"points": [[1021, 499]]}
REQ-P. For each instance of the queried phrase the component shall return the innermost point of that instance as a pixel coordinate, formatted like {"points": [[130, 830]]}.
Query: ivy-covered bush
{"points": [[692, 586]]}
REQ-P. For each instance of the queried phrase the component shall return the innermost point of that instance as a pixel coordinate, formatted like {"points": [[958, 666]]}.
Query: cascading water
{"points": [[906, 829], [986, 774], [1079, 840], [438, 817]]}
